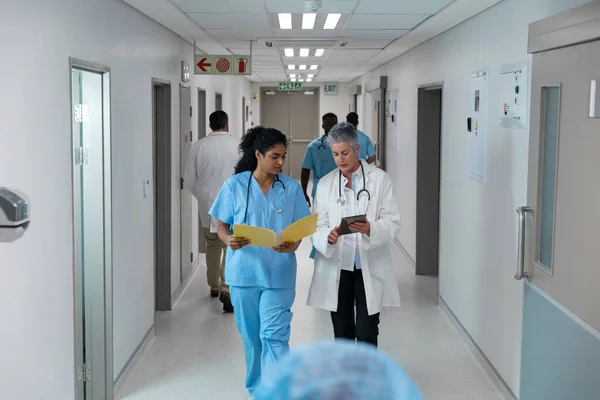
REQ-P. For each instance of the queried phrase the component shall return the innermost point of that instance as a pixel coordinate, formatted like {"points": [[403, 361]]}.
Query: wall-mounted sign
{"points": [[255, 96], [222, 65], [290, 86], [330, 89]]}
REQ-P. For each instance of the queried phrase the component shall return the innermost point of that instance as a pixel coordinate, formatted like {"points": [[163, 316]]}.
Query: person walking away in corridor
{"points": [[262, 280], [318, 158], [367, 150], [211, 162], [353, 264]]}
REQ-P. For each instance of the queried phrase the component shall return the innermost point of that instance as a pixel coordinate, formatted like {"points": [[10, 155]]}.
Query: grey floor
{"points": [[197, 352]]}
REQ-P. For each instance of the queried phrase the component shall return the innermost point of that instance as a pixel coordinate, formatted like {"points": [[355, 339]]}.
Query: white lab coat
{"points": [[381, 286], [211, 162]]}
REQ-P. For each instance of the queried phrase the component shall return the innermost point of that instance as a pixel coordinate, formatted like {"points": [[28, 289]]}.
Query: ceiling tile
{"points": [[216, 21], [385, 21], [374, 34], [297, 6], [366, 43], [238, 34], [221, 6], [352, 54], [401, 6], [299, 33], [256, 53]]}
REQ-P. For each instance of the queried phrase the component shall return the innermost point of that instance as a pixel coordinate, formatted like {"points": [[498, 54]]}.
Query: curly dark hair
{"points": [[261, 139]]}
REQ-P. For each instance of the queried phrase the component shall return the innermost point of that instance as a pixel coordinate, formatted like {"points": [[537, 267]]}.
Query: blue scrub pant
{"points": [[263, 317]]}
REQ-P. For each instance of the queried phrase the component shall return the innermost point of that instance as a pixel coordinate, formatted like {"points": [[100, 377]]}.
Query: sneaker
{"points": [[226, 300]]}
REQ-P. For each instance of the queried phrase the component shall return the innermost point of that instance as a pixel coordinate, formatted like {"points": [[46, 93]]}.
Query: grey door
{"points": [[218, 102], [275, 113], [202, 126], [304, 128], [561, 318], [187, 255]]}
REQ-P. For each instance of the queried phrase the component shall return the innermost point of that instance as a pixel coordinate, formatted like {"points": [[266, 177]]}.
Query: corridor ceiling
{"points": [[354, 36]]}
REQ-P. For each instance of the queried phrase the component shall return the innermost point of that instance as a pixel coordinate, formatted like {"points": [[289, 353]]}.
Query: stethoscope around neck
{"points": [[341, 201], [277, 210], [322, 145]]}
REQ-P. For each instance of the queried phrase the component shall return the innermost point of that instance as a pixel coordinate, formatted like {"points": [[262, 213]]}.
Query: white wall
{"points": [[478, 222], [36, 289], [336, 104]]}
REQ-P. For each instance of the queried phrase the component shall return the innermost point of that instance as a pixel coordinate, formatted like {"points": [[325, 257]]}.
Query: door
{"points": [[428, 180], [202, 124], [92, 218], [161, 132], [559, 230], [218, 102], [185, 108], [244, 117], [305, 122], [378, 125], [275, 113]]}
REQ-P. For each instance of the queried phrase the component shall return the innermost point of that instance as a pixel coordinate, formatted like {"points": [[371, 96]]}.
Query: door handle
{"points": [[522, 212]]}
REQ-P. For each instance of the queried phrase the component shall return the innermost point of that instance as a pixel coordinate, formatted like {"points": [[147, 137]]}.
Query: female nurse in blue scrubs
{"points": [[262, 281]]}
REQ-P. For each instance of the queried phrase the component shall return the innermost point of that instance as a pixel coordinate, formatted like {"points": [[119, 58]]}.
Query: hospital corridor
{"points": [[299, 200]]}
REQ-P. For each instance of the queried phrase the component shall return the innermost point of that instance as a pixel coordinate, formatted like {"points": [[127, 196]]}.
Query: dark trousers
{"points": [[365, 327]]}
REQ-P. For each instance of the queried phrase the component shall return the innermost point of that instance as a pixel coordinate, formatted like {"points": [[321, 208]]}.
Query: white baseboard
{"points": [[133, 360], [477, 353], [396, 243], [184, 285]]}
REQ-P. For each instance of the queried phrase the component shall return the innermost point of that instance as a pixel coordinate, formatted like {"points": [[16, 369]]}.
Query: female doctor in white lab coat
{"points": [[355, 268]]}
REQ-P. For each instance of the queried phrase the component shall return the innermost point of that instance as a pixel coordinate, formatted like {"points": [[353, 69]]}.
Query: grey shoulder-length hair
{"points": [[343, 132]]}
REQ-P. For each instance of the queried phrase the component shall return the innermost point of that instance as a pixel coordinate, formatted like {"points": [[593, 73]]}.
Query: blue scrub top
{"points": [[258, 266], [366, 146], [319, 160]]}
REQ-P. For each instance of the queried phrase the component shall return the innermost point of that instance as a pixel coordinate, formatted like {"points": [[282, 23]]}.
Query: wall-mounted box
{"points": [[514, 96]]}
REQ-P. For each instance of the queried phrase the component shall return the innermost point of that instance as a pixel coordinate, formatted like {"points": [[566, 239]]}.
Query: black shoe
{"points": [[214, 293], [226, 300]]}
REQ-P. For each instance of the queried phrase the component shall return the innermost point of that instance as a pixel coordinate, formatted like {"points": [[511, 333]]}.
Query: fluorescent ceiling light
{"points": [[331, 21], [289, 52], [319, 52], [285, 21], [304, 52], [309, 80], [293, 79], [314, 67], [292, 75], [291, 67], [310, 76], [300, 80], [308, 21], [303, 67]]}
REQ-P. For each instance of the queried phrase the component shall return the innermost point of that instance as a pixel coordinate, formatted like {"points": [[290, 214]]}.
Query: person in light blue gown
{"points": [[262, 281], [341, 370]]}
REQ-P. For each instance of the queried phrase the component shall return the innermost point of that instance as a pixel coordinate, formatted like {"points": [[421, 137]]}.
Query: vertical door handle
{"points": [[522, 212]]}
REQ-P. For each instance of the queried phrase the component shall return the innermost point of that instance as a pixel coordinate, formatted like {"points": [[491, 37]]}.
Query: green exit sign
{"points": [[290, 86], [330, 89]]}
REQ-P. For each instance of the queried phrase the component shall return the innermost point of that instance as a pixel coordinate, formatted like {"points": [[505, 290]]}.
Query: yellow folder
{"points": [[262, 237]]}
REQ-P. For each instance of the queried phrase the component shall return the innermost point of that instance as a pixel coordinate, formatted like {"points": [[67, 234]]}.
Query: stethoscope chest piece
{"points": [[341, 202]]}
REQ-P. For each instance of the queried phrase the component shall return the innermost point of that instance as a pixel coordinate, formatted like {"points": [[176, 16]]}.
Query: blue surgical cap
{"points": [[341, 370]]}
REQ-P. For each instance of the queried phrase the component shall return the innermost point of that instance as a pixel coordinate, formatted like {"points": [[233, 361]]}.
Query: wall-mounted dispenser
{"points": [[14, 214]]}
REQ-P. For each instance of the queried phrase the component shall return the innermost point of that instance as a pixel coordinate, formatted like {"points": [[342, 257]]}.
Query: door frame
{"points": [[75, 63], [162, 271], [183, 257]]}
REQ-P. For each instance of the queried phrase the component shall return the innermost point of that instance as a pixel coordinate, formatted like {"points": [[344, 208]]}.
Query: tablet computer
{"points": [[347, 221]]}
